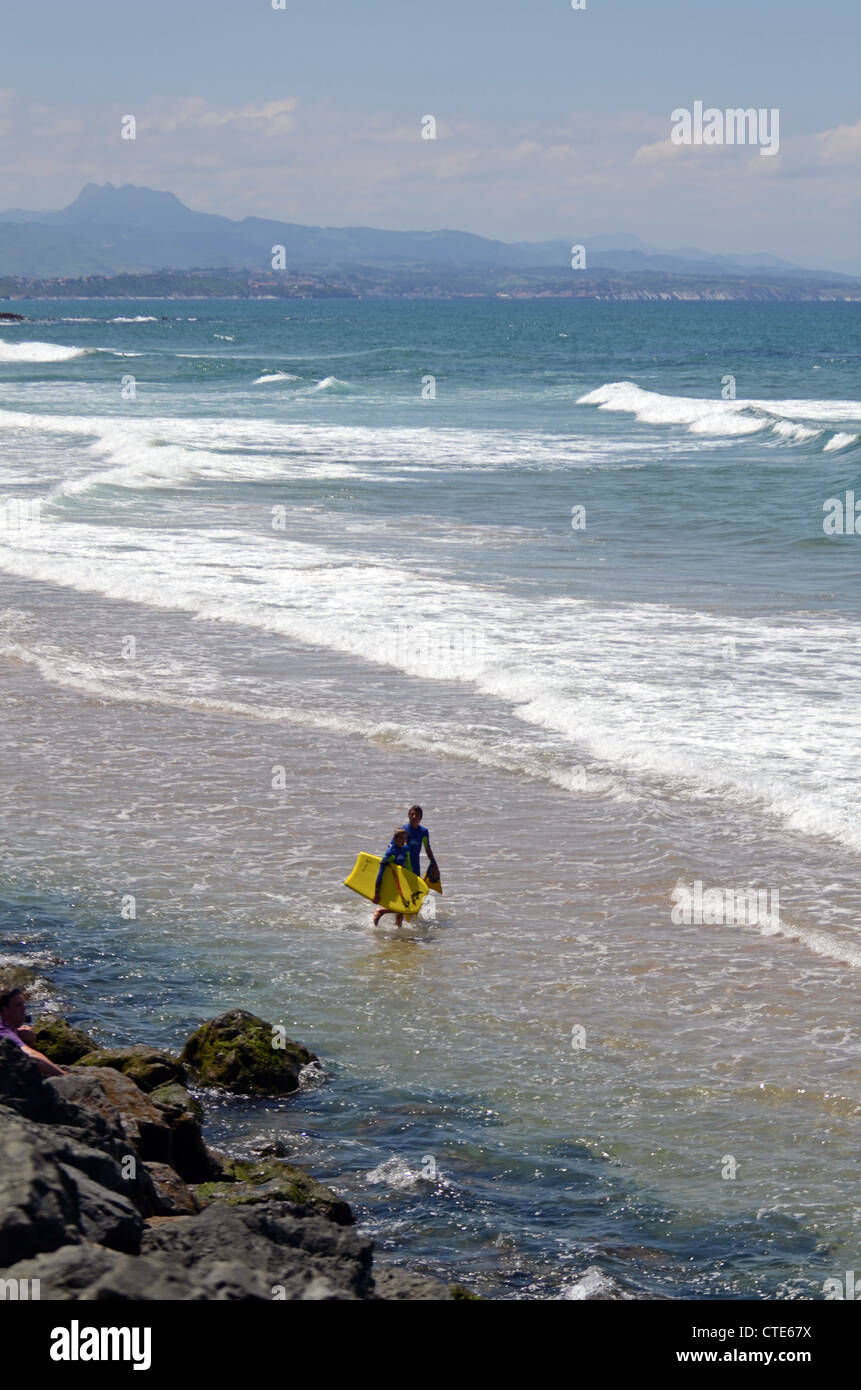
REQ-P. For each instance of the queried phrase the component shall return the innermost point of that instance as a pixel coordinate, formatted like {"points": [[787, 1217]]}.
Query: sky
{"points": [[550, 121]]}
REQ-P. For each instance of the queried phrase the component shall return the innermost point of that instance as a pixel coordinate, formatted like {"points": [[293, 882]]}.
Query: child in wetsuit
{"points": [[418, 839], [397, 853]]}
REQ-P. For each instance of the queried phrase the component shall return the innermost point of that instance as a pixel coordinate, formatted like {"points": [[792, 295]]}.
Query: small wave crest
{"points": [[38, 352], [841, 440], [792, 420], [398, 1174], [594, 1284], [332, 383]]}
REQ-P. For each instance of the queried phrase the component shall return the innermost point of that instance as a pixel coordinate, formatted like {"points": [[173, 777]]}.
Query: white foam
{"points": [[274, 376], [38, 352], [134, 451], [138, 318], [594, 1284], [795, 433], [728, 418], [573, 668], [396, 1173], [841, 441]]}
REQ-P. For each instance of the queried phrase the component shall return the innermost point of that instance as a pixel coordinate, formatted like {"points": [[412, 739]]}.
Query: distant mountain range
{"points": [[130, 230]]}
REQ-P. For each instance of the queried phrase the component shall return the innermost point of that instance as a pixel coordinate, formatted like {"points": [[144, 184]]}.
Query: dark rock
{"points": [[54, 1190], [148, 1067], [122, 1106], [190, 1156], [175, 1095], [22, 1087], [97, 1140], [235, 1052], [274, 1148], [60, 1041], [89, 1273], [401, 1284], [305, 1257], [11, 318], [105, 1217], [174, 1198], [156, 1132], [38, 1202], [272, 1180]]}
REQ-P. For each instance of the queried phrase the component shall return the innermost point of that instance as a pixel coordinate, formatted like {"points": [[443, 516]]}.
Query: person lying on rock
{"points": [[13, 1027]]}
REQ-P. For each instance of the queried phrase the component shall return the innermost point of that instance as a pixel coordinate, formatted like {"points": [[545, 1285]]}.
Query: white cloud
{"points": [[842, 145]]}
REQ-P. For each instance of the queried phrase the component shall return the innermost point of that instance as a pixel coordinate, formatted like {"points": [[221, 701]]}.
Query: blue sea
{"points": [[562, 573]]}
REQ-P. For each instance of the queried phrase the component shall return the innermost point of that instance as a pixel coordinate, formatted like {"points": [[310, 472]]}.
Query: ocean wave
{"points": [[174, 451], [274, 376], [841, 440], [632, 697], [138, 318], [332, 383], [38, 352], [795, 420], [795, 433]]}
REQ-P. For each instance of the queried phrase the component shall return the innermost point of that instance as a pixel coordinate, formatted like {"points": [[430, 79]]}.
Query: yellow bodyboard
{"points": [[400, 891], [436, 885]]}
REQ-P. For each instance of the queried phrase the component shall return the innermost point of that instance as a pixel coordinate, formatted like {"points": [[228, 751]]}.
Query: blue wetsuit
{"points": [[395, 854], [416, 839]]}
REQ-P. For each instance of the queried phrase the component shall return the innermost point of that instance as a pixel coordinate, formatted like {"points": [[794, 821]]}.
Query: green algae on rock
{"points": [[272, 1180], [148, 1067], [62, 1042], [240, 1053], [173, 1094]]}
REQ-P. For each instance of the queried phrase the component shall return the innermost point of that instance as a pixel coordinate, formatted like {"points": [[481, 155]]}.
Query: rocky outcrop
{"points": [[11, 318], [94, 1203], [248, 1183], [238, 1052], [60, 1041], [176, 1095], [148, 1067], [55, 1191], [285, 1251]]}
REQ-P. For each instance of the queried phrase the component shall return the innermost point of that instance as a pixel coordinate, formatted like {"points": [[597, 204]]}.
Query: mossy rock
{"points": [[174, 1094], [272, 1181], [61, 1042], [147, 1067], [237, 1052], [457, 1291]]}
